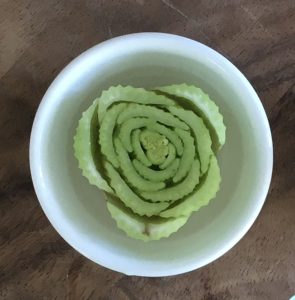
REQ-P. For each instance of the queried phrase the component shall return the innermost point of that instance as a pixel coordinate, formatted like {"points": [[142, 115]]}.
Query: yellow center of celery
{"points": [[155, 145]]}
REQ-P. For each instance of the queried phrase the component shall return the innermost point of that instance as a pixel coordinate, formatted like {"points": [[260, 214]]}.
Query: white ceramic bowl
{"points": [[77, 210]]}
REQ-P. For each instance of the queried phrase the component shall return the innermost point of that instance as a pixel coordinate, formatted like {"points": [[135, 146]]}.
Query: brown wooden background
{"points": [[38, 38]]}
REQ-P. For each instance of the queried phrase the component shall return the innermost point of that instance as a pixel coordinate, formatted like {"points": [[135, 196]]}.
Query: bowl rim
{"points": [[41, 191]]}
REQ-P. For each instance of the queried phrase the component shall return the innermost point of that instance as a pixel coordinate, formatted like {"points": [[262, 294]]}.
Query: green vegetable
{"points": [[156, 175], [153, 153], [85, 147], [143, 228], [177, 191], [203, 106], [200, 133], [130, 198], [130, 173], [205, 191], [129, 94]]}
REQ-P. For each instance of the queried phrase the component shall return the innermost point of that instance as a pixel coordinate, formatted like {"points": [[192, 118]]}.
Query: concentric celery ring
{"points": [[153, 157]]}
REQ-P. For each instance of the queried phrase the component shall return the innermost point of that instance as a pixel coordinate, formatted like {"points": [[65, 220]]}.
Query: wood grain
{"points": [[37, 39]]}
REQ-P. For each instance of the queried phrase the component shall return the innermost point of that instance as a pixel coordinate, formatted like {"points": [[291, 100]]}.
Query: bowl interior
{"points": [[77, 209]]}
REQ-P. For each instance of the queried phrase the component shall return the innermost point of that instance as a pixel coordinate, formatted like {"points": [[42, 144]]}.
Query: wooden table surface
{"points": [[37, 39]]}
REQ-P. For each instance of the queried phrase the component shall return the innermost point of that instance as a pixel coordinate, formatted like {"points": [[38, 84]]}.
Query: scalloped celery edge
{"points": [[205, 192], [85, 146], [129, 94], [143, 228], [203, 106]]}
